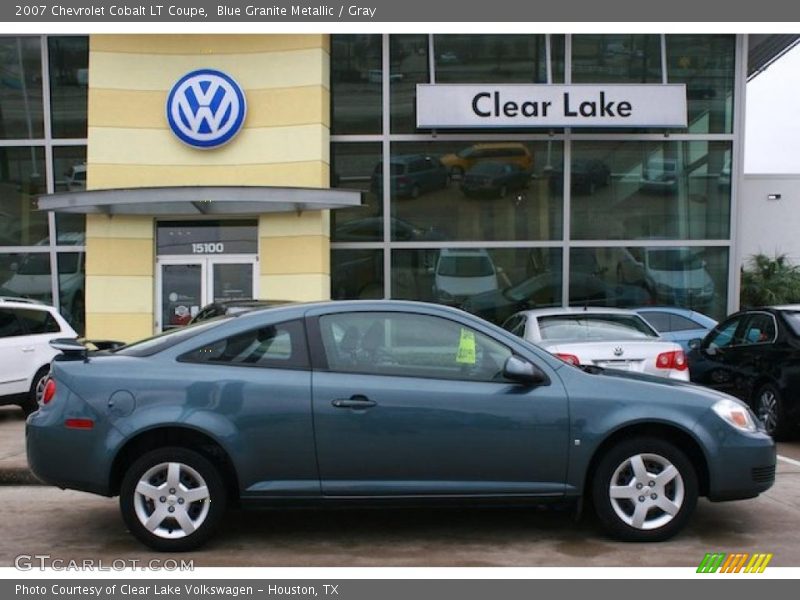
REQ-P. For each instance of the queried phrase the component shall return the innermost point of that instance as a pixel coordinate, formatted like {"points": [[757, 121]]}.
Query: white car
{"points": [[610, 338], [461, 273], [26, 328]]}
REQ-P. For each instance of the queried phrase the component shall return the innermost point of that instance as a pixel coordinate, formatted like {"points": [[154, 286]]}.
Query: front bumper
{"points": [[740, 465]]}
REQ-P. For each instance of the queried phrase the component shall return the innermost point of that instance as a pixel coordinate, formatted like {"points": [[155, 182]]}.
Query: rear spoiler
{"points": [[79, 349], [71, 348]]}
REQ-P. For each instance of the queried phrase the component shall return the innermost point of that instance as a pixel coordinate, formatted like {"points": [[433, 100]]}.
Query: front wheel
{"points": [[172, 499], [644, 490]]}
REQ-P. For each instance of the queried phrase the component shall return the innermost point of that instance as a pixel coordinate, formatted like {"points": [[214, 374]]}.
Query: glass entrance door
{"points": [[186, 284]]}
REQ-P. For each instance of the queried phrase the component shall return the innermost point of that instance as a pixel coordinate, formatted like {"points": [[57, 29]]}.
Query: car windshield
{"points": [[465, 266], [594, 327], [167, 339], [673, 260]]}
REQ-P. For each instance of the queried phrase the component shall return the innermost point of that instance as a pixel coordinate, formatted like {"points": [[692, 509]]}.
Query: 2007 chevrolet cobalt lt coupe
{"points": [[381, 401]]}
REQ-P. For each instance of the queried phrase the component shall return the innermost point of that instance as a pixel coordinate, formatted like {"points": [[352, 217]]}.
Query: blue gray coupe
{"points": [[380, 402]]}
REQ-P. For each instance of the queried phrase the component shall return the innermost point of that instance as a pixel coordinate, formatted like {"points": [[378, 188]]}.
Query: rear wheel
{"points": [[172, 499], [34, 396], [644, 490], [769, 409]]}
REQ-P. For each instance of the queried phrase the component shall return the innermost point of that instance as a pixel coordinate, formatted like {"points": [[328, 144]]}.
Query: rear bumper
{"points": [[67, 458]]}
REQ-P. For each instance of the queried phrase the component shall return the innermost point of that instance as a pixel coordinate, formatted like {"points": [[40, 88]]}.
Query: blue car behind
{"points": [[381, 402], [679, 325]]}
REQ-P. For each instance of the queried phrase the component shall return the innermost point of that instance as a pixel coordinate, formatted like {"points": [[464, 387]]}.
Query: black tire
{"points": [[31, 402], [213, 506], [769, 408], [616, 466]]}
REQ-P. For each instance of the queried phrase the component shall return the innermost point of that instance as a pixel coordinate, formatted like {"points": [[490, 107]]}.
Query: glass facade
{"points": [[43, 151], [490, 220], [499, 220]]}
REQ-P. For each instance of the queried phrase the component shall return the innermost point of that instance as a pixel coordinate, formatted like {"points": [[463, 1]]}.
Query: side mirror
{"points": [[695, 344], [521, 371]]}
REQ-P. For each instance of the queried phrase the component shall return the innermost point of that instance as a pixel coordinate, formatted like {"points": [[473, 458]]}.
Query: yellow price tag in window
{"points": [[466, 348]]}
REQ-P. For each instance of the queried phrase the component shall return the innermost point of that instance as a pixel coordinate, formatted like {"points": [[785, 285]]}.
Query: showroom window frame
{"points": [[48, 143], [566, 137]]}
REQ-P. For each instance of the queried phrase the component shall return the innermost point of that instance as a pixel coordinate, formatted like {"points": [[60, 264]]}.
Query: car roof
{"points": [[677, 310], [789, 307], [5, 300], [576, 310], [250, 302]]}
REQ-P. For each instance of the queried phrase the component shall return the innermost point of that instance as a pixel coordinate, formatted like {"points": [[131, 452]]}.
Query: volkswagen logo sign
{"points": [[618, 351], [206, 108]]}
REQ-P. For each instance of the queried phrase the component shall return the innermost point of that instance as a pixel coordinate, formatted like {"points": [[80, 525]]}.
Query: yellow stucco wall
{"points": [[284, 142]]}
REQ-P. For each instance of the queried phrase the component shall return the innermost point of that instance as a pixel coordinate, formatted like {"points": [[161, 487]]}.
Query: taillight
{"points": [[570, 358], [672, 360], [49, 391]]}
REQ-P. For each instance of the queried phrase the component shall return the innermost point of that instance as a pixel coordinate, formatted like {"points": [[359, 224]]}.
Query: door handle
{"points": [[28, 349], [357, 401]]}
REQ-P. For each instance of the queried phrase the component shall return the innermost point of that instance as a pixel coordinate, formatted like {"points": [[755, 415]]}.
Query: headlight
{"points": [[735, 414]]}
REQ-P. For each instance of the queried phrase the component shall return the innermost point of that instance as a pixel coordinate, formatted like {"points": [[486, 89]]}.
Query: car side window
{"points": [[659, 320], [37, 321], [399, 344], [724, 335], [10, 325], [759, 329], [681, 323], [279, 346]]}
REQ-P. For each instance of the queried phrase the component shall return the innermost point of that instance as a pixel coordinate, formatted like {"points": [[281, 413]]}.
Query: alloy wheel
{"points": [[41, 383], [646, 491], [171, 500], [768, 410]]}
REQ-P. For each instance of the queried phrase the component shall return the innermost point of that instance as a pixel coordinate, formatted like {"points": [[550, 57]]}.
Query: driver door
{"points": [[413, 404]]}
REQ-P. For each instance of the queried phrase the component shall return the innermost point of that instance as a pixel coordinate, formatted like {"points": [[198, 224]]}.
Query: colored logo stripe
{"points": [[734, 563]]}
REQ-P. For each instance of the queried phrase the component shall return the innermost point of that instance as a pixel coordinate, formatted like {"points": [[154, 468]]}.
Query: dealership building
{"points": [[145, 176]]}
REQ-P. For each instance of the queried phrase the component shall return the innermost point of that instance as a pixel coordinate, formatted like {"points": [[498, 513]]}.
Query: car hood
{"points": [[659, 387]]}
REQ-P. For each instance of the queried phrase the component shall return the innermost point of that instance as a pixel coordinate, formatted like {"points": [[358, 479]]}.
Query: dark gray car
{"points": [[381, 402]]}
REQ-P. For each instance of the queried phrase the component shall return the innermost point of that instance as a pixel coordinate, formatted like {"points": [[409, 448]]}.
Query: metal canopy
{"points": [[199, 200]]}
